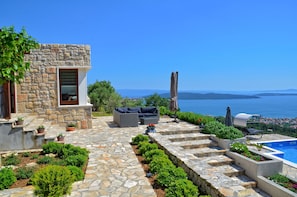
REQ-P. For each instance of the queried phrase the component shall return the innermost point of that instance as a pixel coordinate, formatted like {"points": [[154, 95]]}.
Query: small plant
{"points": [[60, 137], [52, 147], [76, 160], [239, 148], [151, 126], [7, 178], [26, 154], [41, 127], [34, 156], [45, 160], [71, 124], [158, 163], [52, 181], [169, 174], [149, 155], [139, 138], [76, 172], [182, 187], [12, 159], [24, 173], [20, 121], [146, 146]]}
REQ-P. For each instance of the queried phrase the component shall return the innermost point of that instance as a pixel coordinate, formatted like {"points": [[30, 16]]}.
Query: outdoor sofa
{"points": [[131, 116]]}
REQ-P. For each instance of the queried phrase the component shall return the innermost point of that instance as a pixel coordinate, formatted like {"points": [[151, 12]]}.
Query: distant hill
{"points": [[277, 94], [192, 96]]}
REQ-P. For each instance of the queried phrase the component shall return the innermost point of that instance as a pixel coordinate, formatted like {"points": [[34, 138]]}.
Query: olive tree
{"points": [[156, 100], [103, 96], [13, 46]]}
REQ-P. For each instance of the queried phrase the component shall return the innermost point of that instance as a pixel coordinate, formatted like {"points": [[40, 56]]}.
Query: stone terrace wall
{"points": [[38, 92]]}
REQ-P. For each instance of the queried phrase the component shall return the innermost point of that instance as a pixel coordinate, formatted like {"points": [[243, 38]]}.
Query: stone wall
{"points": [[38, 92]]}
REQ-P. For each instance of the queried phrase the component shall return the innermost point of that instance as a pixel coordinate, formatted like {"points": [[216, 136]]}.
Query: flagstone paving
{"points": [[113, 169]]}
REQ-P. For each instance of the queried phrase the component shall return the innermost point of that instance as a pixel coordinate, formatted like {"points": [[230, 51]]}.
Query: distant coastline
{"points": [[194, 95]]}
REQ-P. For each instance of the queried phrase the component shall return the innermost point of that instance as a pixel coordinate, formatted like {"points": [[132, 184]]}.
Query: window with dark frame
{"points": [[68, 79]]}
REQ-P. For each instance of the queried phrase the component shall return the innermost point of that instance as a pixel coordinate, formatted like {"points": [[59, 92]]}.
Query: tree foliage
{"points": [[103, 96], [157, 101], [13, 46]]}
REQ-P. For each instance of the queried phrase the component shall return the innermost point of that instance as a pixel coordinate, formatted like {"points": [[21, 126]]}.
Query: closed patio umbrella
{"points": [[173, 93], [228, 118]]}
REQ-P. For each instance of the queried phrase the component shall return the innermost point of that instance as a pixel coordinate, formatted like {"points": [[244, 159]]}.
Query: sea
{"points": [[266, 106]]}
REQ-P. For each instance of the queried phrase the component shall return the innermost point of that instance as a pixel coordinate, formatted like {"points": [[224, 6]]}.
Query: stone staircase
{"points": [[25, 136], [206, 163]]}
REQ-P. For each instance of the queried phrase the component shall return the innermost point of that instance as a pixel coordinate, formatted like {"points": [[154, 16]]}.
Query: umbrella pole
{"points": [[175, 120]]}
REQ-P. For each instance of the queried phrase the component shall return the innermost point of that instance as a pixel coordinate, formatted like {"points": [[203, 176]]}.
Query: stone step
{"points": [[179, 132], [194, 144], [207, 151], [245, 181], [220, 160], [188, 137]]}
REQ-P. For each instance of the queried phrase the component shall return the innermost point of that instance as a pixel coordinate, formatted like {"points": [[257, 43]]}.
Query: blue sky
{"points": [[136, 44]]}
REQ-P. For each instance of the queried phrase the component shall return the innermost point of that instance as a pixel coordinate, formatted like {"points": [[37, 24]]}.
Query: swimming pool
{"points": [[284, 149]]}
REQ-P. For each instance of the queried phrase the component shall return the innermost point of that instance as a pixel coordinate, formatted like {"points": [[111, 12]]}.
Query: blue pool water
{"points": [[289, 149]]}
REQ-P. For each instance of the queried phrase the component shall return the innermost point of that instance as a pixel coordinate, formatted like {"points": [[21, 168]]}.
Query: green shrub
{"points": [[146, 146], [139, 138], [279, 179], [35, 156], [52, 181], [149, 155], [168, 174], [24, 173], [45, 160], [58, 162], [158, 163], [229, 133], [239, 148], [70, 150], [11, 160], [76, 172], [197, 119], [52, 147], [76, 160], [222, 131], [7, 178], [26, 154], [182, 187], [212, 127]]}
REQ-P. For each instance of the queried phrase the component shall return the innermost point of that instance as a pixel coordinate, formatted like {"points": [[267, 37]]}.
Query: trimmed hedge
{"points": [[7, 178]]}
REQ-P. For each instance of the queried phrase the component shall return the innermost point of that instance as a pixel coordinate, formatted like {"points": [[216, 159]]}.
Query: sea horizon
{"points": [[265, 106]]}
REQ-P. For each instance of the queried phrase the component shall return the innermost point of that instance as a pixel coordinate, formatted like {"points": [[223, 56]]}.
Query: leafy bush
{"points": [[229, 133], [212, 127], [168, 174], [52, 181], [139, 138], [76, 172], [149, 155], [11, 160], [26, 154], [71, 150], [76, 160], [34, 156], [24, 173], [158, 163], [279, 179], [52, 147], [222, 131], [239, 148], [181, 187], [197, 119], [146, 146], [45, 160], [7, 178]]}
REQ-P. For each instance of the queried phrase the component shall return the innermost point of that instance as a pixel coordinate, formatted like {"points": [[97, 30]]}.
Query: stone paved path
{"points": [[113, 169]]}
